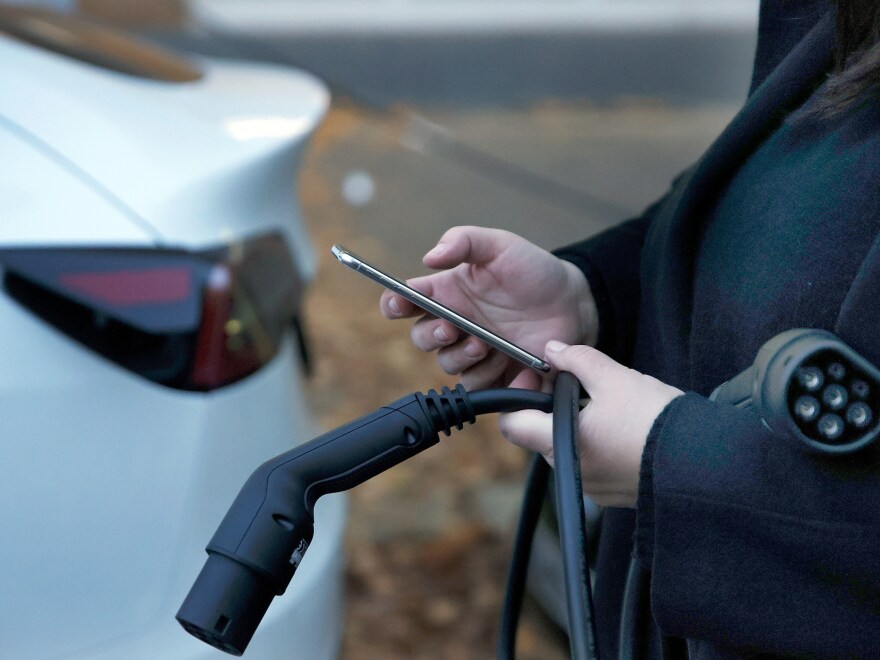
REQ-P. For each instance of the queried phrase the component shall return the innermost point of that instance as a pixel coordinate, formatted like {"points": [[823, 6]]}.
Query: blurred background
{"points": [[550, 118]]}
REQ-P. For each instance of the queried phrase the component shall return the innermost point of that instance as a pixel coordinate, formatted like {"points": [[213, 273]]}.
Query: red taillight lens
{"points": [[248, 303], [121, 288], [190, 320]]}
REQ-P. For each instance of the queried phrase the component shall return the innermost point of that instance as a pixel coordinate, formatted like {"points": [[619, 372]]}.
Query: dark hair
{"points": [[857, 58]]}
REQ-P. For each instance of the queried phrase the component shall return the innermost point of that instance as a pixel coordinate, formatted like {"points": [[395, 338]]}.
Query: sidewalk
{"points": [[619, 159]]}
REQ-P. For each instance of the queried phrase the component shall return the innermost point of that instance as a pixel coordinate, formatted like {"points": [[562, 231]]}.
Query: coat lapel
{"points": [[674, 237]]}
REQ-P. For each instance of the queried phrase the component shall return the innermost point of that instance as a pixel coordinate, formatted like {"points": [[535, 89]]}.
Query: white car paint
{"points": [[192, 163], [112, 485]]}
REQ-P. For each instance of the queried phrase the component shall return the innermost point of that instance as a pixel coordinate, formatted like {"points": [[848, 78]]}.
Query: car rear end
{"points": [[153, 265]]}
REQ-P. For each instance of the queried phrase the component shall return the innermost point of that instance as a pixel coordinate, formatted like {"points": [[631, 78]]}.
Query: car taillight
{"points": [[188, 320]]}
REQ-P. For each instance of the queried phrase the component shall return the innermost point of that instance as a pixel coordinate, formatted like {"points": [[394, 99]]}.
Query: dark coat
{"points": [[753, 544]]}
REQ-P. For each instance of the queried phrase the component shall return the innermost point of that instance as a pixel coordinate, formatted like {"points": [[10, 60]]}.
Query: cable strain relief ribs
{"points": [[448, 408]]}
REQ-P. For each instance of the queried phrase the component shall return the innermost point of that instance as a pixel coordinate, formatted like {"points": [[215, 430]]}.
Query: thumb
{"points": [[592, 368], [470, 245], [531, 429]]}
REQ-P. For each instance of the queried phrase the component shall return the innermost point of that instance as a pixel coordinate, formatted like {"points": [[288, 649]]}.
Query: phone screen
{"points": [[438, 309]]}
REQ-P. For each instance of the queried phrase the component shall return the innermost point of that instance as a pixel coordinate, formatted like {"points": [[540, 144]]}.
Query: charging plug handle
{"points": [[267, 530]]}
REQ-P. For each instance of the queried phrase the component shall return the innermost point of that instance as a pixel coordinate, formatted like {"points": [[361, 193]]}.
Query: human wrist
{"points": [[584, 304]]}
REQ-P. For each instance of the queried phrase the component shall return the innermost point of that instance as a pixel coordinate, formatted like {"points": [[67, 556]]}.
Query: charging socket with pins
{"points": [[808, 385]]}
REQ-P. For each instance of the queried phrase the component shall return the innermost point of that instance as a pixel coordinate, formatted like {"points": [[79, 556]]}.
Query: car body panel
{"points": [[112, 485], [196, 162], [122, 533], [61, 209]]}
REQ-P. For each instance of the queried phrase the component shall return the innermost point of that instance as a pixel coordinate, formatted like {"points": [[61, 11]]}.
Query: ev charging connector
{"points": [[267, 530], [809, 386]]}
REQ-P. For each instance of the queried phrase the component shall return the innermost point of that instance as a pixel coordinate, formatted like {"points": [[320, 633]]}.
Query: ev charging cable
{"points": [[807, 386], [267, 530], [572, 522], [572, 531]]}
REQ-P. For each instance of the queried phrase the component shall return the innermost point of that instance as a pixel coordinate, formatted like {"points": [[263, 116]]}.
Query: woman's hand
{"points": [[612, 429], [511, 286]]}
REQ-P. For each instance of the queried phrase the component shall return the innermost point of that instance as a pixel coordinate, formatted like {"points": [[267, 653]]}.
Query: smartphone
{"points": [[432, 306]]}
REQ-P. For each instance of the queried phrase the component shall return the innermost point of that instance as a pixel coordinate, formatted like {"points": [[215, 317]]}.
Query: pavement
{"points": [[554, 173]]}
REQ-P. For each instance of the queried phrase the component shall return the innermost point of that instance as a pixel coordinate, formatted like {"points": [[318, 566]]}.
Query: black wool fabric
{"points": [[755, 546], [785, 241], [784, 23]]}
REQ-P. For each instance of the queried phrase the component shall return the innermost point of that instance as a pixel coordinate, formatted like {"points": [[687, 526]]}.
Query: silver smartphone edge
{"points": [[354, 262]]}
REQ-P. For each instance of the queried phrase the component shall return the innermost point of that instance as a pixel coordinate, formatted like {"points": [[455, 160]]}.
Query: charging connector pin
{"points": [[859, 415], [831, 426], [811, 378], [835, 397], [807, 408]]}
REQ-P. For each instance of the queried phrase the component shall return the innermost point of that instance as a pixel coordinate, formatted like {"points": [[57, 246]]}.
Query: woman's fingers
{"points": [[488, 372], [394, 306], [458, 354], [592, 368], [430, 333], [529, 379], [471, 245], [462, 355], [531, 429]]}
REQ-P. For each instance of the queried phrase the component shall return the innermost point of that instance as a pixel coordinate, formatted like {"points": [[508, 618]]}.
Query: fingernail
{"points": [[437, 250], [554, 346], [440, 334], [393, 306], [473, 350]]}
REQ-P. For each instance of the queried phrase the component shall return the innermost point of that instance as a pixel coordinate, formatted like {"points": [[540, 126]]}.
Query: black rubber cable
{"points": [[572, 521], [570, 507], [509, 400], [533, 501], [633, 619]]}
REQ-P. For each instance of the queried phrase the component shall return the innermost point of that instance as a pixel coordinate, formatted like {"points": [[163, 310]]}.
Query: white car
{"points": [[152, 260]]}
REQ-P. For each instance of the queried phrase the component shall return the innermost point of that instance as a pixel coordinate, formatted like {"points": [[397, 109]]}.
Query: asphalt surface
{"points": [[554, 174]]}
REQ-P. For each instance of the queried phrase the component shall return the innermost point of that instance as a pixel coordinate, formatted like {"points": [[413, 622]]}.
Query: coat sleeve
{"points": [[611, 262], [754, 543]]}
